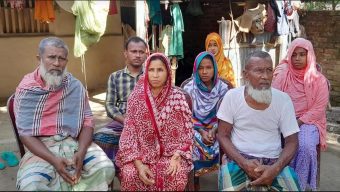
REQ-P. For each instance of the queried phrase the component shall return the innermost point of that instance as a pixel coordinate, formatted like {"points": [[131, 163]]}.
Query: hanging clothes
{"points": [[270, 25], [176, 44], [128, 31], [165, 38], [282, 21], [44, 11], [155, 13], [294, 26], [113, 7], [252, 20], [90, 23], [15, 4], [194, 8]]}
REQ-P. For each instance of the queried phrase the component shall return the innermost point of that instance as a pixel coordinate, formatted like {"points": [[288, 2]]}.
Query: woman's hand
{"points": [[175, 164], [208, 140], [212, 134], [144, 173]]}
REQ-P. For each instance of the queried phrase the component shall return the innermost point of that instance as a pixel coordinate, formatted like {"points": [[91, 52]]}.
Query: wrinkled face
{"points": [[136, 54], [206, 71], [213, 47], [53, 59], [157, 74], [259, 73], [299, 58]]}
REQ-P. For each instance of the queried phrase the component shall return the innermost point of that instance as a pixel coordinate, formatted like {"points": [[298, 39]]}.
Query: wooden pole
{"points": [[33, 21], [174, 66], [14, 20], [2, 20], [7, 18], [154, 40], [141, 29]]}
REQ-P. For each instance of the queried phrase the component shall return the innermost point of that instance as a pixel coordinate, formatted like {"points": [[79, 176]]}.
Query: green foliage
{"points": [[321, 5]]}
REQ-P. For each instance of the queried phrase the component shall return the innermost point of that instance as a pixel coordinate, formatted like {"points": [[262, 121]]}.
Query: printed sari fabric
{"points": [[224, 66], [204, 116], [35, 174], [232, 178], [154, 129]]}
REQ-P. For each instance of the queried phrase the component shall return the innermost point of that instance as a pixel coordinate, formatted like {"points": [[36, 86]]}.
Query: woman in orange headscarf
{"points": [[213, 44]]}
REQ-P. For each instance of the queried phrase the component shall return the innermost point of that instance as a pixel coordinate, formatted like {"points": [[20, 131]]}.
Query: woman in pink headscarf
{"points": [[155, 148], [298, 76]]}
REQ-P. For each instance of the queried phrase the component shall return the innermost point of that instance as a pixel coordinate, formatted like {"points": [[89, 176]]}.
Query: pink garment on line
{"points": [[113, 7], [314, 83]]}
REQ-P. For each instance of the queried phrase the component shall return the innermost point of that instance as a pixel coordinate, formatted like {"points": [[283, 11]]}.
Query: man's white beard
{"points": [[52, 78], [260, 96]]}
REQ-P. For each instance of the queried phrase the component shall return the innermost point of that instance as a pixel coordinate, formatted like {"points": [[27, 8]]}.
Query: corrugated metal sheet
{"points": [[239, 55]]}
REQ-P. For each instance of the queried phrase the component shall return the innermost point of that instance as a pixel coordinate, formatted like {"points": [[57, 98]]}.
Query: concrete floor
{"points": [[330, 167]]}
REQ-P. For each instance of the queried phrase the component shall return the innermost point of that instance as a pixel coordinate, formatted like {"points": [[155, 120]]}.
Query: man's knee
{"points": [[34, 183]]}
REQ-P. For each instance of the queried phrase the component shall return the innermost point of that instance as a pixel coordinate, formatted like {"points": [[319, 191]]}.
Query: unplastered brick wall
{"points": [[323, 30]]}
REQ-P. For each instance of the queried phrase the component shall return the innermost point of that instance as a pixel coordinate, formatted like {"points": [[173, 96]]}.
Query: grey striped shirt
{"points": [[119, 87]]}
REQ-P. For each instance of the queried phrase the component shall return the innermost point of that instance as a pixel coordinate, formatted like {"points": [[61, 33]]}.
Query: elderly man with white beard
{"points": [[55, 123], [251, 121]]}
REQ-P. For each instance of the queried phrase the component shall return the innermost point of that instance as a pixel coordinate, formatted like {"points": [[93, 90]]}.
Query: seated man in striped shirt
{"points": [[55, 123], [120, 85]]}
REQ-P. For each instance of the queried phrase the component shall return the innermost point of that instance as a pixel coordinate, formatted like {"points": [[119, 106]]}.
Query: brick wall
{"points": [[323, 29]]}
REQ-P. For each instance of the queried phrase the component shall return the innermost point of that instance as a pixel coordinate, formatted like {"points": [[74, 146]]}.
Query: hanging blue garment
{"points": [[155, 13], [176, 44]]}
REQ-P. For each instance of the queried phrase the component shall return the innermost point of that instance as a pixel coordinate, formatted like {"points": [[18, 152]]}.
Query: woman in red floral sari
{"points": [[155, 149]]}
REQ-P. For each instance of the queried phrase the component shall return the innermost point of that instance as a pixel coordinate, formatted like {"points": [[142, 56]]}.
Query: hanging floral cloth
{"points": [[113, 7], [44, 11], [15, 4], [90, 23]]}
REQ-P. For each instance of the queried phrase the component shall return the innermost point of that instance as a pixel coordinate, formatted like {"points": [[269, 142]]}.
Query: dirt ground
{"points": [[330, 169]]}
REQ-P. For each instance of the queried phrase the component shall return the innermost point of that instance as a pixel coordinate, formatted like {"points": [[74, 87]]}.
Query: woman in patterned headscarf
{"points": [[206, 90], [155, 148], [213, 44], [297, 75]]}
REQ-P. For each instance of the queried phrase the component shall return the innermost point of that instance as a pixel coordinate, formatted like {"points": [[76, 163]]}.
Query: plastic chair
{"points": [[10, 110]]}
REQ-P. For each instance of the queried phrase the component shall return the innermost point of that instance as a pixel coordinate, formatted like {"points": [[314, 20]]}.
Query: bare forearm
{"points": [[38, 148], [229, 148], [300, 122], [85, 139], [288, 152]]}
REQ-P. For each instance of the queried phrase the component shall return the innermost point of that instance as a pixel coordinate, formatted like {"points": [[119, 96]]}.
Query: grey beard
{"points": [[52, 79], [260, 96]]}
